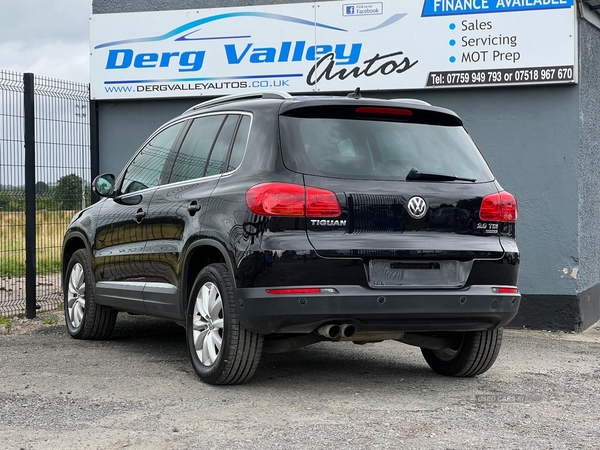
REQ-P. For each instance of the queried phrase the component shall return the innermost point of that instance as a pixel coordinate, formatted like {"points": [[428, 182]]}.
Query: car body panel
{"points": [[121, 238], [172, 227]]}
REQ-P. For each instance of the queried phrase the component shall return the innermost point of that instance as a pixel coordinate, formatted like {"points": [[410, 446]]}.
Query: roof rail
{"points": [[248, 95], [416, 101]]}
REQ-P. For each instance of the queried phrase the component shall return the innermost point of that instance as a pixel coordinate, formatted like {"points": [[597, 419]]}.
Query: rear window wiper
{"points": [[414, 174]]}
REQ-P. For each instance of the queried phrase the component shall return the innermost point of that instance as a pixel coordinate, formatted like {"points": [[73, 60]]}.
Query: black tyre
{"points": [[474, 354], [85, 319], [221, 350]]}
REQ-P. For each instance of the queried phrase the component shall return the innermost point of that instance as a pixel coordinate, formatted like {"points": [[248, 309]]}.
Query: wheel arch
{"points": [[200, 254], [74, 240]]}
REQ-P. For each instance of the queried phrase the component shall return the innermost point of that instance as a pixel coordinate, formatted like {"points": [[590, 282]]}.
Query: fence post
{"points": [[30, 225], [94, 146]]}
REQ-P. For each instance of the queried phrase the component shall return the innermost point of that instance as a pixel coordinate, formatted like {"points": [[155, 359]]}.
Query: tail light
{"points": [[384, 111], [292, 200], [499, 207]]}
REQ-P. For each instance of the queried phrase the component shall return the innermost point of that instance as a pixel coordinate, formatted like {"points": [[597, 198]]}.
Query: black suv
{"points": [[266, 222]]}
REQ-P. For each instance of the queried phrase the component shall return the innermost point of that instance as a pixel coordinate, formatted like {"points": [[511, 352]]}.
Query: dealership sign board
{"points": [[333, 46]]}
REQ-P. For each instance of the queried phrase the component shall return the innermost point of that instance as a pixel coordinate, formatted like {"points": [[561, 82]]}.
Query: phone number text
{"points": [[502, 76]]}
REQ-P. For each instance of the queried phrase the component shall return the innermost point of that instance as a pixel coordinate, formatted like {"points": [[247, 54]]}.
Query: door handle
{"points": [[194, 207], [139, 215]]}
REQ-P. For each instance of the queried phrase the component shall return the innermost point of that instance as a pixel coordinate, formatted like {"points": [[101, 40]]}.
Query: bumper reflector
{"points": [[301, 291], [505, 290]]}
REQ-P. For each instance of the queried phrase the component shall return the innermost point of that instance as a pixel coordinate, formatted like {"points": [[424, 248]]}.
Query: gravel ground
{"points": [[138, 390]]}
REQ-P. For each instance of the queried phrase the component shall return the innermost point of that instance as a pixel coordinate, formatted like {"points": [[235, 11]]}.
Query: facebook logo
{"points": [[368, 9]]}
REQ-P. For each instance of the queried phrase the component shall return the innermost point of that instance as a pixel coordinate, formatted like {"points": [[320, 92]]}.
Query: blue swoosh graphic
{"points": [[395, 18], [195, 23], [185, 37]]}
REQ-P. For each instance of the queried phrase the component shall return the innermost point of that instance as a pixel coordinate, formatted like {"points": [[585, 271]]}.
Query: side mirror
{"points": [[103, 184]]}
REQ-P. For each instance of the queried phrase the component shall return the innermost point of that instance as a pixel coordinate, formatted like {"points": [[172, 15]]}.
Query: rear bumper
{"points": [[475, 308]]}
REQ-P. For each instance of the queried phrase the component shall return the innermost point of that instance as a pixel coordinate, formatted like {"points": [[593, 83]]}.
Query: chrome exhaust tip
{"points": [[329, 331], [347, 330]]}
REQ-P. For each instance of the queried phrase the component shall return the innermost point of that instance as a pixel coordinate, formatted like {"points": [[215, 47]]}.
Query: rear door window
{"points": [[220, 150], [195, 149]]}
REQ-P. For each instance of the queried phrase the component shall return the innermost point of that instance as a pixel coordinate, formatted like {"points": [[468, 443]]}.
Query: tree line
{"points": [[65, 195]]}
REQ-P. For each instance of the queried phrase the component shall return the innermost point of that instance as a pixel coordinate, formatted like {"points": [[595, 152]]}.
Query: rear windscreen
{"points": [[378, 149]]}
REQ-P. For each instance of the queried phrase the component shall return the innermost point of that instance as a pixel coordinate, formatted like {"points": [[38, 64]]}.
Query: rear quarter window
{"points": [[239, 144]]}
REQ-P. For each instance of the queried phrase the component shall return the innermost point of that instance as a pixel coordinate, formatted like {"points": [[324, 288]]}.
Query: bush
{"points": [[68, 192], [12, 201]]}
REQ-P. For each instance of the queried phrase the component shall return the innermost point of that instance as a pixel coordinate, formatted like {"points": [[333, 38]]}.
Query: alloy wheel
{"points": [[76, 296], [208, 324]]}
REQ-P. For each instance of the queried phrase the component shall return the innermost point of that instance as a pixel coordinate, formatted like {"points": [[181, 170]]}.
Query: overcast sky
{"points": [[47, 37]]}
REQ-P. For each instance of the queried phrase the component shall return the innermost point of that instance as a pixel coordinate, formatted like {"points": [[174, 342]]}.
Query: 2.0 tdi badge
{"points": [[417, 207]]}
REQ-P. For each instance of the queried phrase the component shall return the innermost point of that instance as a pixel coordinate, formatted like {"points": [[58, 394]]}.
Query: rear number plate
{"points": [[386, 273]]}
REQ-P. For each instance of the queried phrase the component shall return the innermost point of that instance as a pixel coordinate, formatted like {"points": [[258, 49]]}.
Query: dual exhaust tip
{"points": [[334, 331]]}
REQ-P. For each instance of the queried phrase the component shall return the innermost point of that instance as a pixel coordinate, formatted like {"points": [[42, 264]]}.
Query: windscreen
{"points": [[360, 148]]}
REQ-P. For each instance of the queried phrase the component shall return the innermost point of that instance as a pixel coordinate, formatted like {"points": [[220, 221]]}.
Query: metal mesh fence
{"points": [[62, 183], [12, 193]]}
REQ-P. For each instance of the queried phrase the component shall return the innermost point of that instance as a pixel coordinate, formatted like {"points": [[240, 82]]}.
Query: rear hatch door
{"points": [[410, 183]]}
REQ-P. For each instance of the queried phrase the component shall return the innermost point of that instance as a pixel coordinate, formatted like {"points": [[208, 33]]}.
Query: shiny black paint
{"points": [[267, 252], [120, 239], [374, 209], [174, 224]]}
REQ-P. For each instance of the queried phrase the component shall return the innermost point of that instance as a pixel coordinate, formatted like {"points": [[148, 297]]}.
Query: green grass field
{"points": [[50, 226]]}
